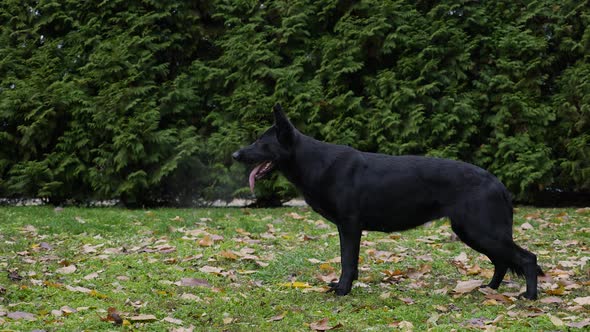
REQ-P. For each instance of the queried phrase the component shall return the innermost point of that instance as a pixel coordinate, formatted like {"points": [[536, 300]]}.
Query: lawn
{"points": [[75, 269]]}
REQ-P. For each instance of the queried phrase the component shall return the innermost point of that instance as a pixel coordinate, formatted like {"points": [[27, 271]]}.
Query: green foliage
{"points": [[145, 101]]}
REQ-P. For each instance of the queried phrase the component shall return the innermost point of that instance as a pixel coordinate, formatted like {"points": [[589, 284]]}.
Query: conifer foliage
{"points": [[144, 100]]}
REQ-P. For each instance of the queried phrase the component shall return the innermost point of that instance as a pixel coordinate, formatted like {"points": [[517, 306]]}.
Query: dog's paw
{"points": [[335, 288], [531, 297]]}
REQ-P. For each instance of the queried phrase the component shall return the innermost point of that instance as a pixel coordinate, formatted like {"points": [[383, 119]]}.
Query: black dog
{"points": [[367, 191]]}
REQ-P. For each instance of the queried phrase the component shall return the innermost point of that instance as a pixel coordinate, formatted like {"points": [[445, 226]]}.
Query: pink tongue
{"points": [[252, 177]]}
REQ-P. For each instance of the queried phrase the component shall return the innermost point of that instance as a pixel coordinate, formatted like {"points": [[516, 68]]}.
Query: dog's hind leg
{"points": [[496, 243], [525, 263]]}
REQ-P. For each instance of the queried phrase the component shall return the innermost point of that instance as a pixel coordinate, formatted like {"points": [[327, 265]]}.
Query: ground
{"points": [[234, 269]]}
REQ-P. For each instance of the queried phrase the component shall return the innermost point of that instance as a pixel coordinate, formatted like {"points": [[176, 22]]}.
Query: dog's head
{"points": [[270, 148]]}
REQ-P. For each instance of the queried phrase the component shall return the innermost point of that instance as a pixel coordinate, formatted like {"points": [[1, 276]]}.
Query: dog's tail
{"points": [[519, 271], [514, 268]]}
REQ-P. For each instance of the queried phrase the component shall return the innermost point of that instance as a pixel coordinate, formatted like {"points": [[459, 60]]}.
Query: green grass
{"points": [[141, 257]]}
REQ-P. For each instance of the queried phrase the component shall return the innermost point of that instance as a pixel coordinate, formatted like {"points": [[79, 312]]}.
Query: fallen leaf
{"points": [[113, 316], [322, 325], [228, 254], [14, 276], [78, 289], [551, 299], [143, 318], [68, 310], [557, 291], [194, 282], [45, 245], [555, 320], [582, 300], [296, 284], [403, 325], [579, 325], [499, 297], [67, 269], [466, 286], [294, 215], [173, 320], [17, 315], [276, 318], [91, 276], [433, 319], [211, 269], [206, 241], [462, 257]]}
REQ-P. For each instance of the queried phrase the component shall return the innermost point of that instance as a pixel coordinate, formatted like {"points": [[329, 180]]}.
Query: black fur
{"points": [[367, 191]]}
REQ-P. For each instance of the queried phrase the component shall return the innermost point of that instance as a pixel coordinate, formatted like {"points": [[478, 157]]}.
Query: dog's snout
{"points": [[236, 155]]}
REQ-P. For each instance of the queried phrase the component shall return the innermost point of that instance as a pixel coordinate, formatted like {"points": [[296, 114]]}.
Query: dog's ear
{"points": [[285, 130]]}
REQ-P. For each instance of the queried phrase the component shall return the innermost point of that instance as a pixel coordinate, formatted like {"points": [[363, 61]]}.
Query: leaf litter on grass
{"points": [[218, 261]]}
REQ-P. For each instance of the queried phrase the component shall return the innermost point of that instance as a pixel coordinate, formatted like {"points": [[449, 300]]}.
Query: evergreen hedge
{"points": [[143, 101]]}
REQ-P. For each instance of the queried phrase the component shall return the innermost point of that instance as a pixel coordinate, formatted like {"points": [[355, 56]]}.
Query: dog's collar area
{"points": [[259, 171]]}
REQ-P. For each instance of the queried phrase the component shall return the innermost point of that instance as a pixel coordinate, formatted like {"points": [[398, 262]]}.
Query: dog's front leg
{"points": [[350, 241]]}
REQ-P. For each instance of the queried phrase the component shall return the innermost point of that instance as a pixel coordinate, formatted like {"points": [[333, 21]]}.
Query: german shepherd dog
{"points": [[369, 191]]}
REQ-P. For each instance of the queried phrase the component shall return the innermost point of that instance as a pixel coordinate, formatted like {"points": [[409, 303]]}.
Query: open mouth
{"points": [[259, 171]]}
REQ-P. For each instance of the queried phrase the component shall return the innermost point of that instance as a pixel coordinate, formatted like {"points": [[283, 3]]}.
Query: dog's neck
{"points": [[308, 156]]}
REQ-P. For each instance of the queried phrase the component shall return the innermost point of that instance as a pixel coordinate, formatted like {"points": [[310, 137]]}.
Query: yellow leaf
{"points": [[558, 291], [326, 267], [97, 294], [296, 284]]}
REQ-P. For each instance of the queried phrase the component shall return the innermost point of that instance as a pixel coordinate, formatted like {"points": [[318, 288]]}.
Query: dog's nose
{"points": [[236, 155]]}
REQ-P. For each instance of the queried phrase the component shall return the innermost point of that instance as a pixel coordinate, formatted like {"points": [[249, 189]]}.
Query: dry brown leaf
{"points": [[295, 215], [579, 325], [582, 300], [558, 291], [228, 254], [14, 276], [92, 275], [67, 269], [173, 320], [327, 278], [16, 315], [462, 257], [113, 316], [211, 269], [555, 320], [143, 318], [206, 241], [466, 286], [499, 297], [276, 318], [322, 325], [68, 310], [551, 299], [194, 282], [403, 325]]}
